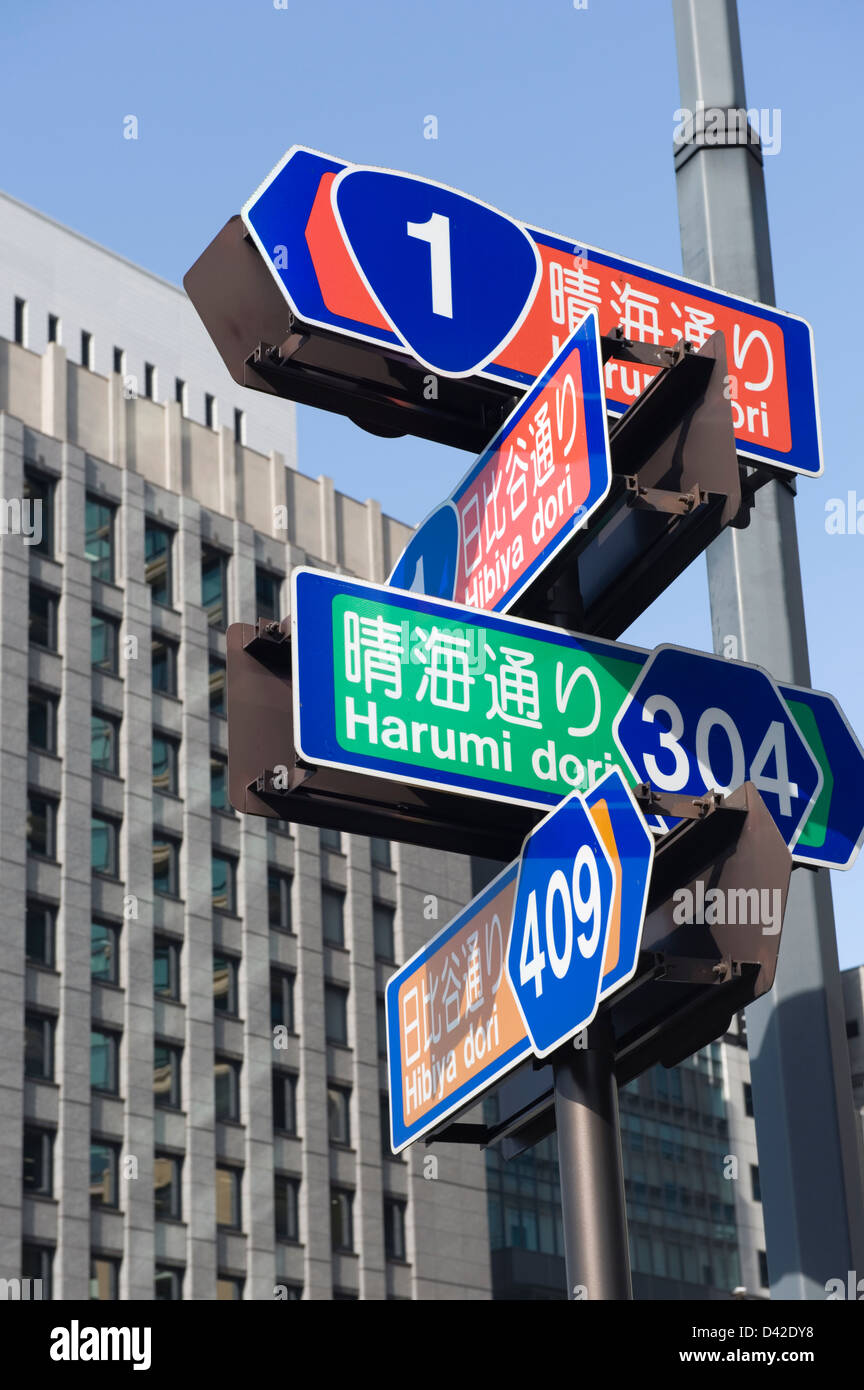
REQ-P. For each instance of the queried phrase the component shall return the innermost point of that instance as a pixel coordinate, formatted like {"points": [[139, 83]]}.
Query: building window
{"points": [[104, 1058], [36, 1262], [86, 349], [54, 330], [168, 1284], [166, 967], [748, 1098], [228, 1190], [149, 381], [163, 656], [165, 758], [218, 703], [43, 618], [99, 538], [226, 1085], [268, 588], [394, 1229], [104, 952], [384, 1120], [336, 1014], [286, 1195], [224, 883], [381, 853], [180, 394], [104, 742], [104, 841], [39, 1046], [229, 1290], [210, 411], [279, 900], [282, 999], [157, 562], [41, 825], [381, 1025], [104, 1169], [333, 916], [104, 1278], [239, 427], [284, 1101], [166, 1076], [40, 932], [214, 586], [167, 1187], [382, 929], [38, 1161], [166, 866], [119, 361], [20, 321], [42, 721], [341, 1219], [225, 971], [104, 643], [852, 1028], [219, 783], [330, 840], [339, 1115], [763, 1269], [39, 492], [754, 1183]]}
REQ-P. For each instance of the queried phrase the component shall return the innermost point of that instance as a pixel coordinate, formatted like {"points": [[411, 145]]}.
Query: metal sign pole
{"points": [[592, 1177], [806, 1126]]}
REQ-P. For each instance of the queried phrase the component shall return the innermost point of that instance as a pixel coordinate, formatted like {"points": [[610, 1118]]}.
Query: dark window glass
{"points": [[166, 967], [104, 1054], [268, 589], [219, 783], [168, 1284], [282, 999], [39, 1046], [381, 1025], [166, 1076], [339, 1114], [41, 825], [284, 1101], [384, 1118], [104, 836], [239, 427], [333, 916], [209, 412], [341, 1219], [104, 1168], [225, 984], [104, 951], [279, 899], [166, 866], [104, 741], [218, 701], [157, 562], [40, 932], [165, 764], [228, 1182], [42, 721], [226, 1084], [852, 1028], [382, 927], [214, 565], [180, 394], [36, 1262], [381, 855], [286, 1201], [53, 328], [119, 360], [38, 515], [224, 873], [330, 839], [99, 538], [763, 1269], [104, 1278], [38, 1161], [20, 320], [104, 643], [336, 1014], [163, 656], [754, 1183], [43, 617], [394, 1229], [748, 1098], [167, 1187], [149, 381], [86, 349]]}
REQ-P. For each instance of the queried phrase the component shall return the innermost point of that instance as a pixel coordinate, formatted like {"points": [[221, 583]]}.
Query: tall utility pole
{"points": [[807, 1129]]}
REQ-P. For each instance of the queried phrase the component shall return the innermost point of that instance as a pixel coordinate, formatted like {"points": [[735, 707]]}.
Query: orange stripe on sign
{"points": [[341, 287], [602, 820]]}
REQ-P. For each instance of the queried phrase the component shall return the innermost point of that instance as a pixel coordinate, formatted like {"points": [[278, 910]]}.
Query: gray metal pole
{"points": [[806, 1127], [592, 1177]]}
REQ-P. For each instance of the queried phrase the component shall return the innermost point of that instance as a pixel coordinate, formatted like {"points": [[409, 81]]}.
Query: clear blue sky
{"points": [[560, 116]]}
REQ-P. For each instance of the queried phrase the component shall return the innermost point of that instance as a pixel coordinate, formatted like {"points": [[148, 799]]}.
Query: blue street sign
{"points": [[541, 477], [834, 832], [694, 722]]}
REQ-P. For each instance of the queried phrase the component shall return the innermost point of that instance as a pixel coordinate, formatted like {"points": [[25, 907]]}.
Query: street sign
{"points": [[415, 268], [454, 1021], [544, 474], [426, 693], [579, 909], [834, 831]]}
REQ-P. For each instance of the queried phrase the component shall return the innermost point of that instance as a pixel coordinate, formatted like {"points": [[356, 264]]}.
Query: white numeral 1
{"points": [[437, 232]]}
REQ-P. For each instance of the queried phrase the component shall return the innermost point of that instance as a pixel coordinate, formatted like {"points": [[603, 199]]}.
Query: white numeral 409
{"points": [[587, 909]]}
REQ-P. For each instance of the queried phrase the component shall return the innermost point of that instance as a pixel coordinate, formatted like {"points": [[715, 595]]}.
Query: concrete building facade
{"points": [[192, 1083]]}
